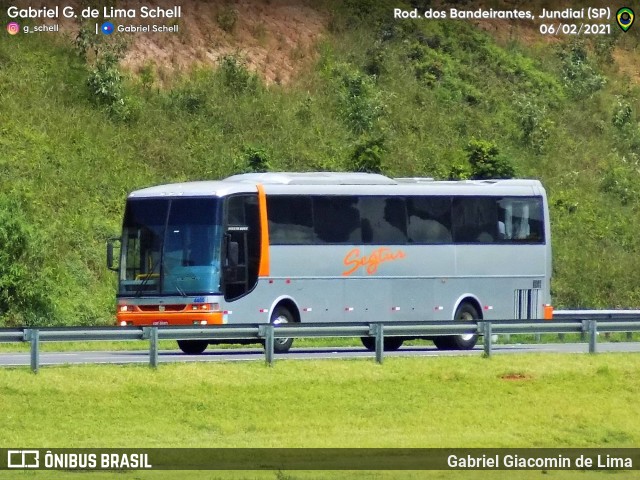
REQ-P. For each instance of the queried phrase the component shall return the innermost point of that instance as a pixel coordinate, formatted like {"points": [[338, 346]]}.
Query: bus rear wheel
{"points": [[193, 347], [282, 315], [466, 312], [391, 344]]}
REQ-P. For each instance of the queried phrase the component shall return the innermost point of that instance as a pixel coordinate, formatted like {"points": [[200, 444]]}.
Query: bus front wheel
{"points": [[466, 312], [193, 347]]}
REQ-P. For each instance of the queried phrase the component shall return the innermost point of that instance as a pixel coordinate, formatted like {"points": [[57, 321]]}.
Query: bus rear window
{"points": [[521, 220]]}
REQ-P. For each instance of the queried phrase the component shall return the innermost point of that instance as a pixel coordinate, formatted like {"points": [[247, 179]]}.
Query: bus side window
{"points": [[383, 220], [475, 220], [520, 219], [290, 220], [429, 219], [336, 219]]}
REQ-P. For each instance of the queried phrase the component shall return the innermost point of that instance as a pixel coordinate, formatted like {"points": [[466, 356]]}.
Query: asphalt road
{"points": [[257, 354]]}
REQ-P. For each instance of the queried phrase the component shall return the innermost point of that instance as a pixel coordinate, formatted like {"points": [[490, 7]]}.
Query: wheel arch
{"points": [[287, 302], [472, 300]]}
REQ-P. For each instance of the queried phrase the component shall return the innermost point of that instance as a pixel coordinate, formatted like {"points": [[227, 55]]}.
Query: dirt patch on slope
{"points": [[629, 69], [275, 38]]}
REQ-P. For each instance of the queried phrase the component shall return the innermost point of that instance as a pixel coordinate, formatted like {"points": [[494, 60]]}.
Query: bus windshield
{"points": [[171, 247]]}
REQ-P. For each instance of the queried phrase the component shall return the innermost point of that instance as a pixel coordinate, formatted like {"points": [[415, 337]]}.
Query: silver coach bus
{"points": [[333, 247]]}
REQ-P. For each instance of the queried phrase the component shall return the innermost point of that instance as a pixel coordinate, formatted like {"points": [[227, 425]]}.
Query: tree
{"points": [[485, 161]]}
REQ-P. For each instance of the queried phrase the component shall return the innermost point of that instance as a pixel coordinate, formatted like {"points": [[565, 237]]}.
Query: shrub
{"points": [[105, 80], [459, 171], [429, 65], [227, 19], [485, 161], [87, 41], [622, 113], [236, 76], [604, 46], [190, 99], [304, 112], [360, 102], [532, 117], [375, 60], [579, 76], [367, 155], [620, 180], [23, 292], [148, 75], [252, 160]]}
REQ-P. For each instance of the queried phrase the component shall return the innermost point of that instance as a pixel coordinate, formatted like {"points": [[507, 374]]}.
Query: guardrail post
{"points": [[379, 332], [34, 338], [593, 334], [267, 333], [153, 347], [486, 327]]}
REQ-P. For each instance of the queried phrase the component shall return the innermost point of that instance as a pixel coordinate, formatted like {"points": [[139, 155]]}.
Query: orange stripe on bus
{"points": [[170, 318], [264, 267]]}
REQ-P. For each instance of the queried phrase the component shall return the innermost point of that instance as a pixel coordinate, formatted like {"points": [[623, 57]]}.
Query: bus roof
{"points": [[194, 189], [313, 178], [334, 183]]}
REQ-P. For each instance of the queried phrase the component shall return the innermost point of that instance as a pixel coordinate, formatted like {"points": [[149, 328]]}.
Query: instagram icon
{"points": [[13, 28]]}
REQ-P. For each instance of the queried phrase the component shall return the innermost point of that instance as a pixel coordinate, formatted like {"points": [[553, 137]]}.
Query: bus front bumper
{"points": [[150, 315]]}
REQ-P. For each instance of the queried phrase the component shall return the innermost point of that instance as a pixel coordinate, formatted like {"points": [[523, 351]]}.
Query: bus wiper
{"points": [[146, 279], [180, 291]]}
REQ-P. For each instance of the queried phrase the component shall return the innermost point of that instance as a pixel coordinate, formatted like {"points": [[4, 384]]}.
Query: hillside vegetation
{"points": [[408, 98]]}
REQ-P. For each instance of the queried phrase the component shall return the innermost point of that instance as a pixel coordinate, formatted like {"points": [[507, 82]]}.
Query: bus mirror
{"points": [[233, 251], [110, 256]]}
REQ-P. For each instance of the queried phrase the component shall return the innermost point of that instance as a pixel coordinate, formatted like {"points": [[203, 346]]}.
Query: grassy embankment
{"points": [[509, 401], [406, 96]]}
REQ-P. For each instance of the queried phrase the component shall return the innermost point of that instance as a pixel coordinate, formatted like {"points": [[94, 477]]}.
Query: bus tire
{"points": [[391, 344], [280, 316], [465, 311], [193, 347], [442, 343]]}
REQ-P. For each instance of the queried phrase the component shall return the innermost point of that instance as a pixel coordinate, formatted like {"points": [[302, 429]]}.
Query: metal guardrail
{"points": [[589, 322]]}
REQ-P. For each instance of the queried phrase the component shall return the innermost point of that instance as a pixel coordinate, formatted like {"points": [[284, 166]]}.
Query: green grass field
{"points": [[360, 475], [578, 401]]}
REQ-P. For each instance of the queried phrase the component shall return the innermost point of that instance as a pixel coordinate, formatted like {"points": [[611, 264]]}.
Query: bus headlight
{"points": [[206, 307]]}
